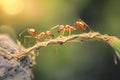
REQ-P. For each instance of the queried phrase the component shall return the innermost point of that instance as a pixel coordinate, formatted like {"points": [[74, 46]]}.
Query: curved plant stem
{"points": [[62, 40]]}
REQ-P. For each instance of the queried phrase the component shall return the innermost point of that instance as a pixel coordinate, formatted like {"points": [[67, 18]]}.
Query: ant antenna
{"points": [[54, 27], [86, 25], [22, 32]]}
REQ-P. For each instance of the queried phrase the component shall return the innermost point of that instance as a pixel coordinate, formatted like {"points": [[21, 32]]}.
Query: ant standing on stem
{"points": [[42, 34], [34, 34], [63, 28], [31, 31], [81, 24], [47, 33]]}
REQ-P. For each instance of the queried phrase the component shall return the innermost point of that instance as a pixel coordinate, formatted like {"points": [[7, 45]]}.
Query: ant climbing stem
{"points": [[63, 28], [32, 32], [81, 24], [40, 36], [69, 28], [49, 34]]}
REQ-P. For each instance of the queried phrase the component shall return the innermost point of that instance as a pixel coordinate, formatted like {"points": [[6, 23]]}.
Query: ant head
{"points": [[48, 33], [32, 31], [60, 28]]}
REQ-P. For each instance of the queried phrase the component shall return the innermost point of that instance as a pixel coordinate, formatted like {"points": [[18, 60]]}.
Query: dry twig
{"points": [[61, 40]]}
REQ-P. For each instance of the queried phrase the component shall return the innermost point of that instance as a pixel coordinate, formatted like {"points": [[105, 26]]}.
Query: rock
{"points": [[12, 69]]}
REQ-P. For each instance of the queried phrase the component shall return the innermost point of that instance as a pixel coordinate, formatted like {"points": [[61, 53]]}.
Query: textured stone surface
{"points": [[11, 69]]}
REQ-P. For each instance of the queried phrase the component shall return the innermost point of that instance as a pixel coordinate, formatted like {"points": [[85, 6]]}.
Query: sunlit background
{"points": [[91, 60]]}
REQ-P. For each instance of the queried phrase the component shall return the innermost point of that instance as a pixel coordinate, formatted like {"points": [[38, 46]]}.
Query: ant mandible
{"points": [[81, 24], [63, 28]]}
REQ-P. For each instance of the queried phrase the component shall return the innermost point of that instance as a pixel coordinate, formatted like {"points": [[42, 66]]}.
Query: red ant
{"points": [[33, 34], [81, 24], [65, 28], [42, 34], [49, 34]]}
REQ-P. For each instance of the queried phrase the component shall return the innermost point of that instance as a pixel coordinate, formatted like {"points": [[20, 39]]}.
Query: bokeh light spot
{"points": [[12, 7]]}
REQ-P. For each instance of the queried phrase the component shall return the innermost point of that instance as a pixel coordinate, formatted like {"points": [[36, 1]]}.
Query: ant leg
{"points": [[69, 32], [63, 32], [54, 27], [48, 38], [37, 40], [26, 37], [90, 29], [22, 32]]}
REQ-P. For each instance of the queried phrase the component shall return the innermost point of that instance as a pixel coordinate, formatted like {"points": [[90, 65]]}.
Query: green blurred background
{"points": [[92, 60]]}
